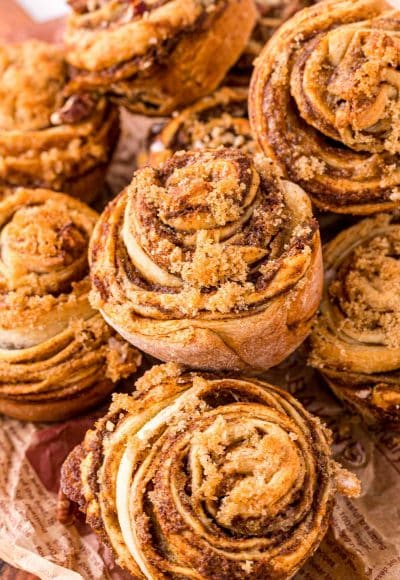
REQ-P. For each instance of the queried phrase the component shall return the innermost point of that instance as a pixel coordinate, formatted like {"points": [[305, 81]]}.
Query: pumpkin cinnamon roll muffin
{"points": [[211, 261], [203, 476], [46, 138], [57, 355], [219, 120], [356, 340], [325, 104], [156, 55]]}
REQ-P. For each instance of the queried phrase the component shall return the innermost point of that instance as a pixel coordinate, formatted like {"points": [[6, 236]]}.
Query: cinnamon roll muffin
{"points": [[57, 355], [211, 261], [271, 15], [203, 476], [356, 340], [219, 120], [47, 139], [156, 55], [324, 103]]}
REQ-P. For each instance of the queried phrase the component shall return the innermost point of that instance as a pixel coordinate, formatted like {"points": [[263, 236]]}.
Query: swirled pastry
{"points": [[156, 55], [211, 261], [271, 15], [325, 104], [202, 476], [356, 341], [219, 120], [47, 139], [57, 355]]}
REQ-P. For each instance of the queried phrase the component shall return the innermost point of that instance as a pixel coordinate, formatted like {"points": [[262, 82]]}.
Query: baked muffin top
{"points": [[33, 75]]}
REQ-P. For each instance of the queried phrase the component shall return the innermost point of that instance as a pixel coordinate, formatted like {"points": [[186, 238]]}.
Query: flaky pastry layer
{"points": [[212, 261], [356, 340], [155, 56], [57, 355], [324, 103], [205, 476]]}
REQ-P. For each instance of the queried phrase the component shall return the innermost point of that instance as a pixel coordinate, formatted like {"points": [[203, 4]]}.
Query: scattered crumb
{"points": [[307, 167]]}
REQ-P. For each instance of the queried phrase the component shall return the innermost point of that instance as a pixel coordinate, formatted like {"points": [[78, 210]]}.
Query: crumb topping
{"points": [[211, 264], [210, 184], [367, 288], [215, 225], [356, 99], [157, 375], [308, 167], [33, 76], [44, 282], [43, 250], [223, 131], [216, 121], [121, 359]]}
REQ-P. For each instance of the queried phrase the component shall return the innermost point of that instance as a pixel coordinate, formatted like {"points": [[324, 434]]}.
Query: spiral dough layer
{"points": [[200, 476], [356, 342], [325, 104], [57, 356], [211, 261]]}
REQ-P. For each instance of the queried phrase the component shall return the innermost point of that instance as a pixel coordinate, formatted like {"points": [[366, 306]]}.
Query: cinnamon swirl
{"points": [[202, 476], [57, 355], [356, 341], [156, 55], [212, 261], [325, 104]]}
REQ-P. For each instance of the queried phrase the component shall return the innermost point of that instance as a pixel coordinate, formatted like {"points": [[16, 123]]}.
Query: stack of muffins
{"points": [[209, 260]]}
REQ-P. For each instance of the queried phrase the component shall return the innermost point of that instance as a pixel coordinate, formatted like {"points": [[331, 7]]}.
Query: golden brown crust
{"points": [[26, 409], [57, 355], [204, 476], [46, 138], [324, 103], [271, 15], [201, 260], [218, 120], [356, 341], [169, 53]]}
